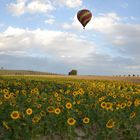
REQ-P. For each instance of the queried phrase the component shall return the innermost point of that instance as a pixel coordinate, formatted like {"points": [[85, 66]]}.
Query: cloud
{"points": [[101, 23], [69, 3], [34, 6], [17, 9], [46, 42], [60, 51], [124, 37], [40, 6], [50, 21], [97, 64]]}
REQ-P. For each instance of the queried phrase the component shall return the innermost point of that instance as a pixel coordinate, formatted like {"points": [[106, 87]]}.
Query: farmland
{"points": [[54, 107]]}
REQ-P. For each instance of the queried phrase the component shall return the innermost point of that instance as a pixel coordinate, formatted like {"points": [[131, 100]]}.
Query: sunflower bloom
{"points": [[103, 104], [42, 113], [50, 109], [71, 121], [5, 91], [56, 94], [68, 105], [86, 120], [132, 115], [7, 96], [57, 111], [15, 115], [123, 105], [110, 123], [129, 103], [29, 111], [36, 119]]}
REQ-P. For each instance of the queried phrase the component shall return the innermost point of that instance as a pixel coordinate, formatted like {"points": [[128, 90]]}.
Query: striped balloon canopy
{"points": [[84, 16]]}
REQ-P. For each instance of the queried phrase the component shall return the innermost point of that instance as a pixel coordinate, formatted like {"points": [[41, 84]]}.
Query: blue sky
{"points": [[45, 35]]}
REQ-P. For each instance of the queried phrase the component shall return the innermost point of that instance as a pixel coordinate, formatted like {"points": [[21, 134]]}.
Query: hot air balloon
{"points": [[84, 16]]}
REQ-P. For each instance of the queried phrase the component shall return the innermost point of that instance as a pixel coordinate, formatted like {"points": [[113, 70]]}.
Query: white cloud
{"points": [[18, 8], [26, 6], [66, 26], [102, 23], [40, 6], [70, 3], [54, 43], [74, 25], [64, 50], [124, 37], [50, 21]]}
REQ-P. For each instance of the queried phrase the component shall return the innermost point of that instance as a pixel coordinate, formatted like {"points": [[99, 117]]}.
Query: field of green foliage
{"points": [[33, 108]]}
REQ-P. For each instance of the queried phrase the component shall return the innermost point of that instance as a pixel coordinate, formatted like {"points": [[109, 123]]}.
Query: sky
{"points": [[45, 35]]}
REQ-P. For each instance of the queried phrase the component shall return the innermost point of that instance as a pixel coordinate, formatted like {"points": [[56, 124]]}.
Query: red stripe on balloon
{"points": [[81, 12], [85, 18]]}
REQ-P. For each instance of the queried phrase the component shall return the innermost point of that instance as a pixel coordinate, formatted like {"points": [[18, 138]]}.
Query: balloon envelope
{"points": [[84, 16]]}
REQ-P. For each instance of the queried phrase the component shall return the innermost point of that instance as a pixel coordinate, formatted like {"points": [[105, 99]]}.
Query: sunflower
{"points": [[57, 111], [32, 91], [110, 123], [15, 115], [39, 106], [78, 102], [13, 95], [23, 92], [86, 120], [122, 95], [132, 115], [58, 99], [7, 96], [90, 93], [71, 121], [5, 91], [136, 102], [108, 106], [114, 96], [28, 100], [128, 97], [75, 93], [68, 105], [42, 113], [123, 105], [129, 103], [101, 98], [35, 119], [56, 94], [29, 111], [36, 90], [103, 104], [50, 109]]}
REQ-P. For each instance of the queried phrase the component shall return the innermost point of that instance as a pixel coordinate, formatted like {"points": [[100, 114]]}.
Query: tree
{"points": [[73, 72]]}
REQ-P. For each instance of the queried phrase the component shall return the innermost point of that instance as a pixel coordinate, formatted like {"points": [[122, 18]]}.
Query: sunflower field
{"points": [[68, 109]]}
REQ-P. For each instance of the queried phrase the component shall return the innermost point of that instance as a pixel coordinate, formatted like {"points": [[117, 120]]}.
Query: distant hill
{"points": [[24, 72]]}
